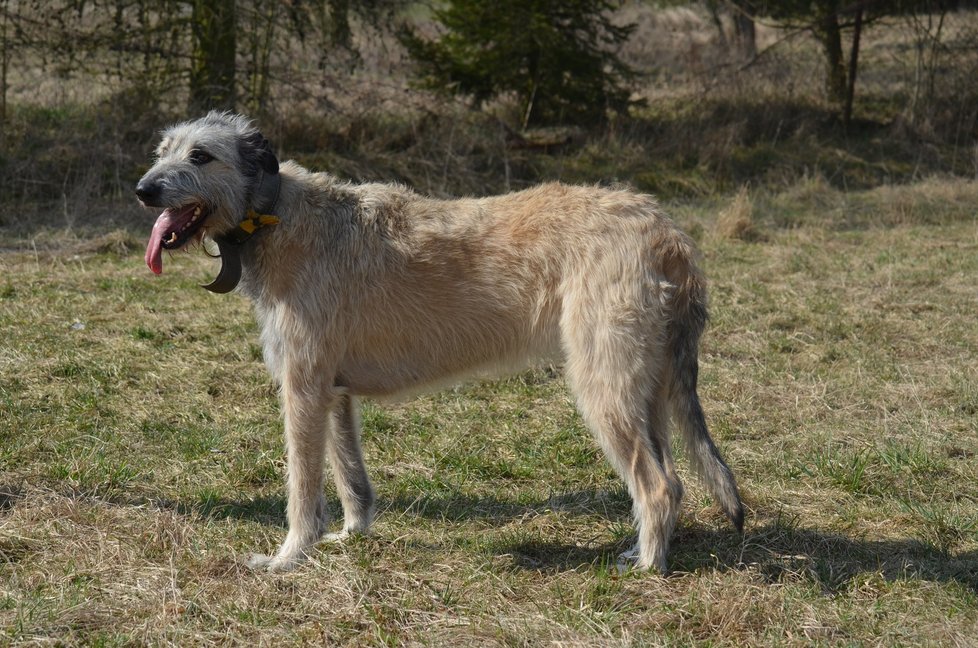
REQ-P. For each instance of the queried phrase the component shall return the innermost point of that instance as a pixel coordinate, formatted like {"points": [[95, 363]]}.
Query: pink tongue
{"points": [[154, 248]]}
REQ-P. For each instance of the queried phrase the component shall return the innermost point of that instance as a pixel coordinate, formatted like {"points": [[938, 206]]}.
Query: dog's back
{"points": [[449, 288]]}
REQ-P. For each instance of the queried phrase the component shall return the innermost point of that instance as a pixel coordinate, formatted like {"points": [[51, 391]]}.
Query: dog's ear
{"points": [[257, 153]]}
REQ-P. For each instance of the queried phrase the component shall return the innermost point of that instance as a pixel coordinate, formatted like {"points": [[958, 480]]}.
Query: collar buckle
{"points": [[252, 222]]}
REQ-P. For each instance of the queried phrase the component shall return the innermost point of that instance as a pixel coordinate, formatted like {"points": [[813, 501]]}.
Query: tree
{"points": [[557, 56], [744, 28], [742, 14], [827, 19], [202, 53], [824, 19], [212, 70]]}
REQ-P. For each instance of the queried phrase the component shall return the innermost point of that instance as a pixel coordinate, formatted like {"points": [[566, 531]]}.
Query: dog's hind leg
{"points": [[620, 428], [657, 428], [613, 389], [349, 471]]}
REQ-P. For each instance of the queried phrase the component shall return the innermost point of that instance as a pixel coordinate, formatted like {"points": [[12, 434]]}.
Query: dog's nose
{"points": [[148, 192]]}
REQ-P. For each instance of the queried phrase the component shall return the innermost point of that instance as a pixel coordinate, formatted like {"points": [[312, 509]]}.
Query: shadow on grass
{"points": [[263, 510], [783, 553], [269, 511], [458, 507], [778, 553], [449, 508], [9, 495]]}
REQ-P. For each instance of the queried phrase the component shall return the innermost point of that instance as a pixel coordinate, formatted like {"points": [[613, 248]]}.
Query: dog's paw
{"points": [[628, 559], [337, 538], [261, 562], [340, 537], [632, 559]]}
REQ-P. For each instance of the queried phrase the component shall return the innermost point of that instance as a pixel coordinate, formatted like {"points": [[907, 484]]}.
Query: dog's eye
{"points": [[199, 157]]}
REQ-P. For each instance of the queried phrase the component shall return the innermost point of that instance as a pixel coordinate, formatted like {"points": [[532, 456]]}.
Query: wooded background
{"points": [[467, 97]]}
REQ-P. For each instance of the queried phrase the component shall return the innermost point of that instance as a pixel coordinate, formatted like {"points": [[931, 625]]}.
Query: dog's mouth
{"points": [[174, 228]]}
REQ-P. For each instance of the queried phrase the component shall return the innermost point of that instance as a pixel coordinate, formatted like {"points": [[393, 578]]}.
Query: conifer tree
{"points": [[558, 57]]}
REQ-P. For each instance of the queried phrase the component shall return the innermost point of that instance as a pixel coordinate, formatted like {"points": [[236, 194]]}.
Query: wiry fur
{"points": [[373, 290]]}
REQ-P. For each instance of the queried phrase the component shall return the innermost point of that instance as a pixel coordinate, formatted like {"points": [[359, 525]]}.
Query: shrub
{"points": [[556, 56]]}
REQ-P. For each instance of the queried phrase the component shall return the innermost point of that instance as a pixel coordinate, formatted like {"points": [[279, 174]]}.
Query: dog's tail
{"points": [[689, 318]]}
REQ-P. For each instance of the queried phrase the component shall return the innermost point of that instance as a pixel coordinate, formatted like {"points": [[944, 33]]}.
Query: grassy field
{"points": [[141, 458]]}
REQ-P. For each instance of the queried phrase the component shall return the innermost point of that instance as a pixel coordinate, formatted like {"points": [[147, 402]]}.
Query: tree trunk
{"points": [[339, 15], [829, 34], [212, 69], [4, 65], [714, 9], [745, 30], [853, 66]]}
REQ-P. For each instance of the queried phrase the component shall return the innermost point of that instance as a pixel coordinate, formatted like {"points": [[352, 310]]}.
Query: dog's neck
{"points": [[265, 196], [259, 215]]}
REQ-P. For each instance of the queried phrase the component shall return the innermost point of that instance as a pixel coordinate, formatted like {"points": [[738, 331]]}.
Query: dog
{"points": [[374, 290]]}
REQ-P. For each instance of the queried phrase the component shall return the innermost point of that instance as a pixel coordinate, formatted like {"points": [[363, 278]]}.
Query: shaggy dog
{"points": [[374, 290]]}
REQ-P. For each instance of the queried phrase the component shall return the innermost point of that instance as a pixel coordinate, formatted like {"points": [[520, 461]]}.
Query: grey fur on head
{"points": [[255, 151]]}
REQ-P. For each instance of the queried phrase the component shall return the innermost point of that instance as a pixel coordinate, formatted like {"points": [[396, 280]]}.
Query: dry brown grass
{"points": [[736, 220]]}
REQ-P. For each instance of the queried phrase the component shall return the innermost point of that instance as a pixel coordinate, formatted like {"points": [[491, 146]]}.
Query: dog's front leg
{"points": [[307, 399], [349, 471]]}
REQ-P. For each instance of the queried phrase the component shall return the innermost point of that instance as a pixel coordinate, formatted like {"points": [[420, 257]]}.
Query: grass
{"points": [[140, 439], [141, 458]]}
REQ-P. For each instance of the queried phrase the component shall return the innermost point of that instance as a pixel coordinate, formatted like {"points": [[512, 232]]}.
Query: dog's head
{"points": [[208, 173]]}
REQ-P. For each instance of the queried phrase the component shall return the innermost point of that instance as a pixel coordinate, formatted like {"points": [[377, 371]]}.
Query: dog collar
{"points": [[265, 195], [252, 222], [229, 244]]}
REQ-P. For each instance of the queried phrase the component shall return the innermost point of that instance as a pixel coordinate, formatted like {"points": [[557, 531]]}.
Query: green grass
{"points": [[141, 458]]}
